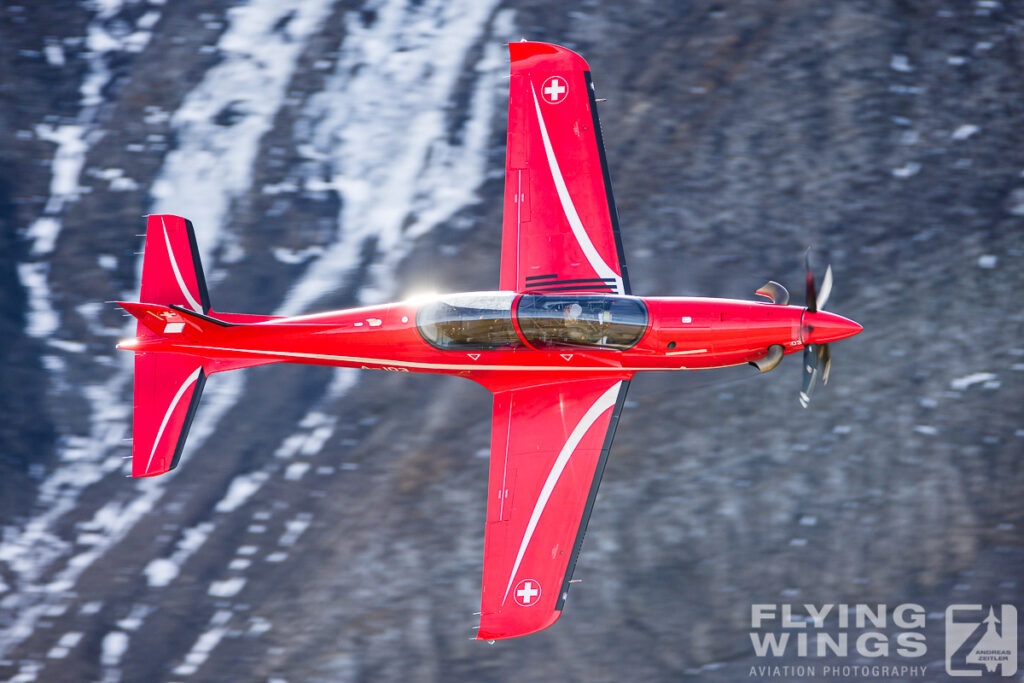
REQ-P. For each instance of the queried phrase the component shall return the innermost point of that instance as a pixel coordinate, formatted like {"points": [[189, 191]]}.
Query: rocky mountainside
{"points": [[328, 525]]}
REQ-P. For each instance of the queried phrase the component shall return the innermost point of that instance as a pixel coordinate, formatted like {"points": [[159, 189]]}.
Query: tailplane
{"points": [[167, 391], [174, 307]]}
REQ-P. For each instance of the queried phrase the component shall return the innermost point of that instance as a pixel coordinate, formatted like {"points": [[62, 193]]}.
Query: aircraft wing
{"points": [[560, 230], [549, 445]]}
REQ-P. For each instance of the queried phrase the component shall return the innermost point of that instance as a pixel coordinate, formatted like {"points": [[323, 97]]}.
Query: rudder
{"points": [[171, 270]]}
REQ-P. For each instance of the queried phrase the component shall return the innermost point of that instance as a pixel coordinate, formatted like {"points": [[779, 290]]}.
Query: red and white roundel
{"points": [[554, 90], [526, 593]]}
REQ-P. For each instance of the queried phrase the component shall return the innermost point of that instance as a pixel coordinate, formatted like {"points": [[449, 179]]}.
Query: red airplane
{"points": [[557, 344]]}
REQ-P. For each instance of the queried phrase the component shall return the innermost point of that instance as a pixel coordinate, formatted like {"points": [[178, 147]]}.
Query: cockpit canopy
{"points": [[611, 322], [483, 320], [472, 321]]}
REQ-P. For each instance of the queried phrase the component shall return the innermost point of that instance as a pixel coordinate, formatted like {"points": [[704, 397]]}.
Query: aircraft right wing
{"points": [[549, 445]]}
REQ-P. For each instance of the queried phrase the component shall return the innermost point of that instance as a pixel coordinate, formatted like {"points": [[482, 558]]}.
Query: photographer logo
{"points": [[977, 644]]}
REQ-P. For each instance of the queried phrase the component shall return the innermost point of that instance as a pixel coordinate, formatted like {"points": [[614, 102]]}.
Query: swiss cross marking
{"points": [[555, 89], [527, 592]]}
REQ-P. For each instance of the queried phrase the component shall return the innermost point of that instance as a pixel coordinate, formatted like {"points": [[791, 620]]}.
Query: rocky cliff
{"points": [[328, 525]]}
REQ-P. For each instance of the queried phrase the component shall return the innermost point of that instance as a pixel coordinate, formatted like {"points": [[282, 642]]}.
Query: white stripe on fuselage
{"points": [[390, 362]]}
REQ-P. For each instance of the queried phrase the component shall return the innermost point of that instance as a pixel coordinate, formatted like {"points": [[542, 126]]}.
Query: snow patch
{"points": [[411, 177], [964, 131], [227, 588], [295, 470], [295, 528], [162, 571], [54, 54], [204, 645], [900, 63], [213, 163], [907, 170], [115, 644], [64, 646], [966, 381], [296, 256], [241, 489], [42, 318]]}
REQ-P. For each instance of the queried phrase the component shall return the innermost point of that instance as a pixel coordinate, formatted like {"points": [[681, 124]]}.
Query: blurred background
{"points": [[328, 525]]}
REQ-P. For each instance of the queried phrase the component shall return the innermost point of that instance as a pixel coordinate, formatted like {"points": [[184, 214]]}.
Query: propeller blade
{"points": [[826, 362], [817, 363], [812, 297], [826, 289], [810, 373]]}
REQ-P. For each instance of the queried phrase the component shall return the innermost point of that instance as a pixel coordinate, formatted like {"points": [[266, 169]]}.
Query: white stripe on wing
{"points": [[589, 250], [606, 401]]}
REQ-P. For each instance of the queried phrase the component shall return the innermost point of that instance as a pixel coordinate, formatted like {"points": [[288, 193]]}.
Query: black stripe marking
{"points": [[204, 295], [189, 311], [594, 288], [613, 213], [542, 277], [193, 405], [592, 280], [592, 496]]}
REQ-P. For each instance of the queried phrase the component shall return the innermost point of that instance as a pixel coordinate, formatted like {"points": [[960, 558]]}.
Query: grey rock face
{"points": [[329, 525]]}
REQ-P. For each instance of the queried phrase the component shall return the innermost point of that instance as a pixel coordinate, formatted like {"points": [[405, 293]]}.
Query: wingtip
{"points": [[524, 50]]}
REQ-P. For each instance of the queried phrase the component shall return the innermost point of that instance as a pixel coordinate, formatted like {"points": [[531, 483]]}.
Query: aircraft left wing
{"points": [[560, 229], [549, 445]]}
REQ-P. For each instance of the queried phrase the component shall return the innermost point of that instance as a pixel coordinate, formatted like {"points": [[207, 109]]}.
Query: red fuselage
{"points": [[679, 333]]}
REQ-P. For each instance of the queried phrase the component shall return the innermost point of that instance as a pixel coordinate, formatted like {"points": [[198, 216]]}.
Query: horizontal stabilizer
{"points": [[171, 321], [167, 391]]}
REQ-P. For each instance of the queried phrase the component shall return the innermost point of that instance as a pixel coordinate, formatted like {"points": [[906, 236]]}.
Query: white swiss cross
{"points": [[554, 89], [527, 592]]}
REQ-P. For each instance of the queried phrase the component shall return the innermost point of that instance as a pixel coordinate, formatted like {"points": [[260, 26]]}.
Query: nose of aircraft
{"points": [[823, 327]]}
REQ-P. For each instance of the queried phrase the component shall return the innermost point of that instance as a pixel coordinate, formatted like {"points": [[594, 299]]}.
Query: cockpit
{"points": [[483, 321]]}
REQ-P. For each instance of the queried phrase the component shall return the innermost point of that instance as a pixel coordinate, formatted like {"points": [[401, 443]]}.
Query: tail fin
{"points": [[171, 270]]}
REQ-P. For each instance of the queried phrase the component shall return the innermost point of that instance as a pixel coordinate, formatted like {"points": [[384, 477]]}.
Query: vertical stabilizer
{"points": [[171, 270]]}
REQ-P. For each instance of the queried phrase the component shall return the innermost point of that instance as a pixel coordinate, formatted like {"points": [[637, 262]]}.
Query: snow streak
{"points": [[378, 127]]}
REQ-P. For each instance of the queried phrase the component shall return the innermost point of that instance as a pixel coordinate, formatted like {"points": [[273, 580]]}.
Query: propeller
{"points": [[817, 357], [817, 330]]}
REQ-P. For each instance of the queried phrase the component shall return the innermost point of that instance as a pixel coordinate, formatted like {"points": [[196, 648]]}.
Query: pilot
{"points": [[574, 331]]}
